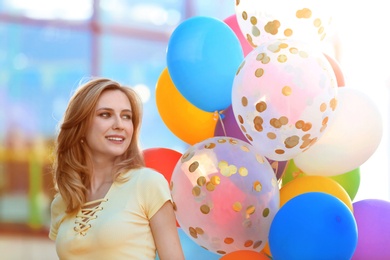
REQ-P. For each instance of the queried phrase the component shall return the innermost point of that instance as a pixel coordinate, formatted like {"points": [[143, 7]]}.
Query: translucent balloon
{"points": [[305, 20], [350, 140], [225, 195], [284, 97]]}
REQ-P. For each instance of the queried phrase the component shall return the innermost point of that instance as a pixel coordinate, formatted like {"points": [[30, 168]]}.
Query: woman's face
{"points": [[111, 129]]}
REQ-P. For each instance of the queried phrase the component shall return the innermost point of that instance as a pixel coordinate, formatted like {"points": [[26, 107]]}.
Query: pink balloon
{"points": [[231, 21], [373, 223]]}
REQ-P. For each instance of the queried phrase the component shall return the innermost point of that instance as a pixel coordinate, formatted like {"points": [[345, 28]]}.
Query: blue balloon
{"points": [[193, 251], [313, 226], [203, 56]]}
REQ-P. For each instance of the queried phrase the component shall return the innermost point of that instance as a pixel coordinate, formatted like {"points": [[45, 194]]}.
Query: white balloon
{"points": [[349, 141]]}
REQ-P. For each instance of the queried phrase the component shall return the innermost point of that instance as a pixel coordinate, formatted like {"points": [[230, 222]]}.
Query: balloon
{"points": [[245, 254], [373, 222], [191, 250], [186, 121], [350, 181], [337, 70], [281, 108], [350, 140], [203, 55], [305, 20], [162, 160], [225, 195], [232, 22], [313, 225], [314, 184]]}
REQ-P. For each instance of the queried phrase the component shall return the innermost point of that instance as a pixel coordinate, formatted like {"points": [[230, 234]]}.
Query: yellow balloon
{"points": [[314, 184], [189, 123]]}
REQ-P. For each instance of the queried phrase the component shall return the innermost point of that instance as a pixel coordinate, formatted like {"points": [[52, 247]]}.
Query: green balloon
{"points": [[350, 181]]}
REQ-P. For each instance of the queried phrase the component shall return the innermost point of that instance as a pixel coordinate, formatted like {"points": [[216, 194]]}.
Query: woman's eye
{"points": [[126, 116], [105, 115]]}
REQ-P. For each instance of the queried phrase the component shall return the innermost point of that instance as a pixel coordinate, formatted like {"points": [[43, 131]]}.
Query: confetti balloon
{"points": [[284, 97], [305, 20], [225, 195]]}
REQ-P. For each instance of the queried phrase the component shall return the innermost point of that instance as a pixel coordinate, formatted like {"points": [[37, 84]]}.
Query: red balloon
{"points": [[337, 70], [245, 254], [162, 160]]}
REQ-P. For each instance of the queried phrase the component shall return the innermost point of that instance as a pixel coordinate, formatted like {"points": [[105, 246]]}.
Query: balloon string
{"points": [[222, 124]]}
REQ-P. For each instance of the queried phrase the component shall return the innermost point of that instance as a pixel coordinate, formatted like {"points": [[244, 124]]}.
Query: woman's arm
{"points": [[166, 237]]}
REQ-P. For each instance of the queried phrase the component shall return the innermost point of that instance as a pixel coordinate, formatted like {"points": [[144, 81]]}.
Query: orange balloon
{"points": [[313, 183], [189, 123], [162, 160], [337, 71], [245, 254]]}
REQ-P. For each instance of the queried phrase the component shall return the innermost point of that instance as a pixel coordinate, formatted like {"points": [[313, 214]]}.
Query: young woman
{"points": [[108, 205]]}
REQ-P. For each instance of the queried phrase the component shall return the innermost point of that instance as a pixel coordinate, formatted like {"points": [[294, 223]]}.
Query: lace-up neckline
{"points": [[87, 213]]}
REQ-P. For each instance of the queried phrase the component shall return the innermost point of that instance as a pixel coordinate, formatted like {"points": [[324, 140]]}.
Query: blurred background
{"points": [[48, 47]]}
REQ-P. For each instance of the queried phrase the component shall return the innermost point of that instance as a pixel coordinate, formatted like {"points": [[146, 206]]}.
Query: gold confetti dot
{"points": [[248, 243], [232, 169], [253, 20], [271, 135], [244, 15], [245, 148], [243, 171], [247, 223], [325, 121], [258, 123], [196, 191], [259, 72], [205, 209], [304, 13], [226, 172], [174, 206], [291, 141], [299, 124], [250, 210], [307, 127], [193, 166], [193, 232], [288, 32], [221, 252], [257, 244], [282, 58], [201, 181], [221, 141], [294, 50], [187, 156], [286, 91], [266, 212], [257, 186], [261, 106], [317, 22], [303, 54], [255, 31], [333, 103], [199, 231], [249, 137], [279, 151], [232, 141], [243, 129], [272, 27], [215, 180], [210, 146], [259, 158], [283, 120], [237, 206], [210, 186], [228, 240], [323, 107], [244, 101]]}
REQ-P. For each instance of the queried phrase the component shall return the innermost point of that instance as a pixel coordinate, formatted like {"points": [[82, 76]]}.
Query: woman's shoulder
{"points": [[145, 174]]}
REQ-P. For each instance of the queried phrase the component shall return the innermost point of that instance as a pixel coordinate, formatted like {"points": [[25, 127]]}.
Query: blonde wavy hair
{"points": [[72, 159]]}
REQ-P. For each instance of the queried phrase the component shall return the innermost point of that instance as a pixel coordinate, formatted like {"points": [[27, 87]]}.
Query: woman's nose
{"points": [[118, 124]]}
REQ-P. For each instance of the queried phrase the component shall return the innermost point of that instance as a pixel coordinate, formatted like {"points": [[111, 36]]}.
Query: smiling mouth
{"points": [[115, 139]]}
